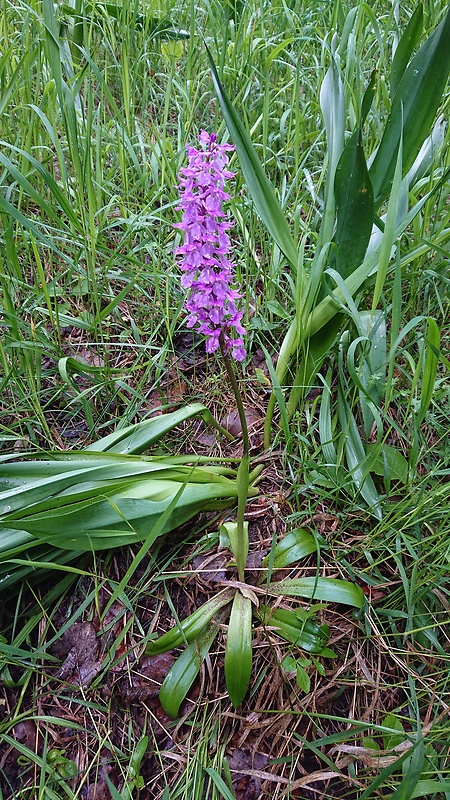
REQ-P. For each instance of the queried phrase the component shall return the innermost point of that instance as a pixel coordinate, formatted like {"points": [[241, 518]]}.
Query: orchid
{"points": [[212, 302]]}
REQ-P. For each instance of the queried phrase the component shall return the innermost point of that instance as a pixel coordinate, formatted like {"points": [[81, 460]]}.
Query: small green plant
{"points": [[240, 606]]}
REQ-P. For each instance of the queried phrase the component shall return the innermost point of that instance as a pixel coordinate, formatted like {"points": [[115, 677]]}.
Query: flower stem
{"points": [[243, 471], [234, 385]]}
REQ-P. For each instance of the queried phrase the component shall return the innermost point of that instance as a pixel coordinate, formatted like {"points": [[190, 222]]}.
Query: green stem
{"points": [[243, 471], [240, 406]]}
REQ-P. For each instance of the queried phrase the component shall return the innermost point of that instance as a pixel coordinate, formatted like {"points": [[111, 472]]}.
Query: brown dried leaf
{"points": [[81, 648], [145, 679]]}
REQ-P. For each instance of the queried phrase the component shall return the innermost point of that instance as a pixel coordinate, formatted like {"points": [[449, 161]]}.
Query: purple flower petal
{"points": [[207, 271]]}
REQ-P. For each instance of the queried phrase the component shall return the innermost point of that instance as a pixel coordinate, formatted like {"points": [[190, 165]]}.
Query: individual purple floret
{"points": [[205, 264]]}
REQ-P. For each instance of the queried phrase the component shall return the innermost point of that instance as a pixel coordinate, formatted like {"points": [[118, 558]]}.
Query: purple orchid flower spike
{"points": [[205, 261]]}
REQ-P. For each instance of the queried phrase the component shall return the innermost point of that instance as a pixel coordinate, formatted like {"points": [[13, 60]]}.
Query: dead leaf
{"points": [[81, 647], [145, 678], [246, 787]]}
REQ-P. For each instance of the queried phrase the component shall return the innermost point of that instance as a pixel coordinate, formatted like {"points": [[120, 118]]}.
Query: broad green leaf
{"points": [[326, 426], [46, 485], [391, 739], [426, 787], [329, 306], [182, 674], [413, 109], [305, 634], [405, 48], [238, 650], [387, 461], [229, 536], [427, 154], [134, 439], [190, 627], [303, 679], [292, 547], [313, 352], [97, 523], [289, 664], [388, 239], [354, 205], [329, 589], [256, 180]]}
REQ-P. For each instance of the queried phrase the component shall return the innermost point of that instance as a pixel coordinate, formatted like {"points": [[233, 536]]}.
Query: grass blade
{"points": [[258, 184], [429, 369]]}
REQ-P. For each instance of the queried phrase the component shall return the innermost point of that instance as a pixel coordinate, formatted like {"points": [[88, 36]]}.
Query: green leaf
{"points": [[414, 108], [386, 460], [355, 207], [219, 783], [256, 180], [313, 351], [371, 376], [357, 458], [289, 664], [292, 548], [412, 773], [304, 634], [191, 627], [303, 679], [406, 46], [429, 368], [390, 225], [241, 543], [183, 672], [391, 739], [238, 651], [332, 104], [86, 501], [370, 743], [229, 536], [426, 787], [327, 653], [96, 523], [368, 97], [59, 201], [328, 589], [134, 439]]}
